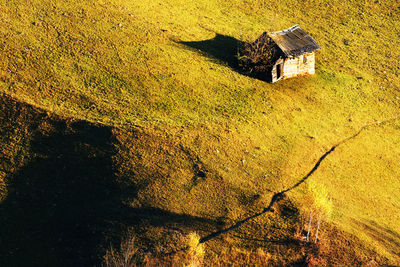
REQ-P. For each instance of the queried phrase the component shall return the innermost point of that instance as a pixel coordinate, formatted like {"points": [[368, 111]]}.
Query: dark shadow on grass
{"points": [[157, 217], [59, 201], [285, 241], [223, 49], [384, 236], [65, 205]]}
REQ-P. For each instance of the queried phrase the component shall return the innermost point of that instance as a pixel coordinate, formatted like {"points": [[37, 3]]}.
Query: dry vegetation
{"points": [[257, 58], [129, 115]]}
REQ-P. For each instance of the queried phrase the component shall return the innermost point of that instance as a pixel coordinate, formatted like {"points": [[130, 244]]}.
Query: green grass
{"points": [[165, 66]]}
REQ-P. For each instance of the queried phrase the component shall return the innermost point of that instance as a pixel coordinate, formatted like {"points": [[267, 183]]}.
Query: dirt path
{"points": [[278, 196]]}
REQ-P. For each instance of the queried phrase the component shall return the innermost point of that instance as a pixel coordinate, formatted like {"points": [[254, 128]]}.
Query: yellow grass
{"points": [[132, 63]]}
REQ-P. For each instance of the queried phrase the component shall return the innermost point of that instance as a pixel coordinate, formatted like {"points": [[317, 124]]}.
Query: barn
{"points": [[295, 55]]}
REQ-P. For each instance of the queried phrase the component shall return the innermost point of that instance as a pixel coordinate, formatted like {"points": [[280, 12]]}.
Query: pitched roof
{"points": [[294, 41]]}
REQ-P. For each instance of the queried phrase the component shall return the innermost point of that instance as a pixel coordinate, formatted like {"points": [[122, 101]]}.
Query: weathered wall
{"points": [[302, 65]]}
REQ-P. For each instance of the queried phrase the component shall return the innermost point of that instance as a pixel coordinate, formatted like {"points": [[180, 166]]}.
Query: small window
{"points": [[304, 59]]}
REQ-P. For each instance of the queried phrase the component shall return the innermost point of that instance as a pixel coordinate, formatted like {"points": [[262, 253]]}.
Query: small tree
{"points": [[195, 249], [321, 206]]}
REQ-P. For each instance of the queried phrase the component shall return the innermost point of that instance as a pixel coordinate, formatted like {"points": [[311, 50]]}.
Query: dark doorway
{"points": [[278, 71]]}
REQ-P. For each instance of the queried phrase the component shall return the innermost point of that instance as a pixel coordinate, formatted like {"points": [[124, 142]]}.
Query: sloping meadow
{"points": [[196, 141]]}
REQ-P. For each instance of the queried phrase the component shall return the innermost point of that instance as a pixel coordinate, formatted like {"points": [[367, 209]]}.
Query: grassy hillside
{"points": [[199, 145]]}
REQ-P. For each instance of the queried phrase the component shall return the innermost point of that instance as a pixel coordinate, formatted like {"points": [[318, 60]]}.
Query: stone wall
{"points": [[302, 65]]}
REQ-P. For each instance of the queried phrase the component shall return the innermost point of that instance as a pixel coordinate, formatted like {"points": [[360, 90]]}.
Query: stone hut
{"points": [[296, 55]]}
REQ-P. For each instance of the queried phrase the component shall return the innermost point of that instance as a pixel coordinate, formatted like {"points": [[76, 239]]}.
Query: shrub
{"points": [[125, 257], [258, 57], [195, 249]]}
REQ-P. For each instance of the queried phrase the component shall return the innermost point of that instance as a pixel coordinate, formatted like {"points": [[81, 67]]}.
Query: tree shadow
{"points": [[283, 241], [65, 205], [223, 50], [384, 236]]}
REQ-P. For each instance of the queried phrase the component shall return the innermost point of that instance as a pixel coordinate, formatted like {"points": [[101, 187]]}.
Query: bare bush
{"points": [[257, 57], [124, 257]]}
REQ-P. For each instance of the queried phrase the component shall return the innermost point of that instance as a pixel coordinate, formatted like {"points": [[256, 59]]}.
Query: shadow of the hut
{"points": [[223, 50]]}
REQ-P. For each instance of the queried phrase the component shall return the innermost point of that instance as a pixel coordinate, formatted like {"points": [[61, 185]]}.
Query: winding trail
{"points": [[279, 196]]}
